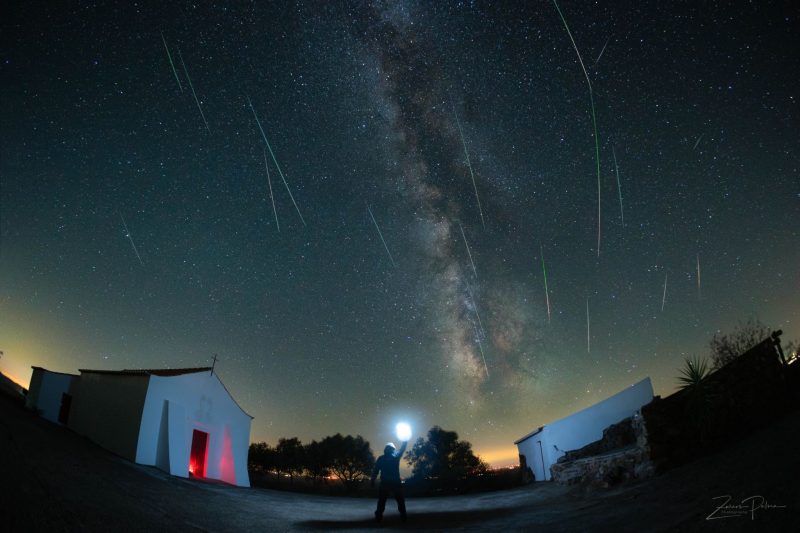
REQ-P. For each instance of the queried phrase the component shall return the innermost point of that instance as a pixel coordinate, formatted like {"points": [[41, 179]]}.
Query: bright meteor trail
{"points": [[469, 165], [274, 160], [588, 336], [546, 292], [130, 238], [381, 236], [475, 306], [480, 346], [468, 251], [699, 293], [594, 121], [619, 188], [171, 63], [271, 197], [191, 86]]}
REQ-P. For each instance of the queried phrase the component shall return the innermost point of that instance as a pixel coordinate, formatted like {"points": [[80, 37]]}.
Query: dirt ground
{"points": [[55, 480]]}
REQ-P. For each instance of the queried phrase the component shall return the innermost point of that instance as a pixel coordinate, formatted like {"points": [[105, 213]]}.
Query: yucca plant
{"points": [[693, 373], [700, 396]]}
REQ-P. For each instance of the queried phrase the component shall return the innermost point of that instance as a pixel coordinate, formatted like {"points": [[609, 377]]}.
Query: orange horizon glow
{"points": [[500, 457], [15, 379]]}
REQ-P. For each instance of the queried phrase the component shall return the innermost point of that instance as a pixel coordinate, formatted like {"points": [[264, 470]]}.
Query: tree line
{"points": [[439, 457]]}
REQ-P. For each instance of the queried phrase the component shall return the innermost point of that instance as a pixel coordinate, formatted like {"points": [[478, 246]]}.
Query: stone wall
{"points": [[622, 454]]}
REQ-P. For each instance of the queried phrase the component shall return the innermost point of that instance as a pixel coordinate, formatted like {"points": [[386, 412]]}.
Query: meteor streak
{"points": [[588, 337], [546, 292], [469, 165], [381, 236], [274, 160], [191, 86], [601, 52], [699, 293], [130, 238], [619, 188], [594, 120], [468, 252], [171, 63], [664, 296], [271, 197], [480, 346], [475, 306], [697, 141]]}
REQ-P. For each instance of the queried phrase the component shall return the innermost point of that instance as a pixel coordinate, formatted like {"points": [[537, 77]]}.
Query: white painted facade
{"points": [[46, 391], [175, 406], [543, 447]]}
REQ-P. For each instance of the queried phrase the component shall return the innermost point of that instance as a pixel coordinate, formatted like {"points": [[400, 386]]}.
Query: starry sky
{"points": [[429, 159]]}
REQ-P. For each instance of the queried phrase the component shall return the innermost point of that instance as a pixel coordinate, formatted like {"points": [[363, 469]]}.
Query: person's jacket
{"points": [[388, 465]]}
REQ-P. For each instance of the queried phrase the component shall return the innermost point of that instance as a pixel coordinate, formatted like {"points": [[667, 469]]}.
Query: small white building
{"points": [[541, 448], [183, 421], [48, 394]]}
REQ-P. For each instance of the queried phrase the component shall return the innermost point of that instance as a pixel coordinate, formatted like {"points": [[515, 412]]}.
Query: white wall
{"points": [[579, 429], [533, 457], [194, 401], [45, 390]]}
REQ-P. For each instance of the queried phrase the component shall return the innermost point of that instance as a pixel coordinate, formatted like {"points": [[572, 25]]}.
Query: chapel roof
{"points": [[148, 371]]}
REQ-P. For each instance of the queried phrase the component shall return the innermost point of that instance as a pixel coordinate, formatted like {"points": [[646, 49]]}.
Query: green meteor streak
{"points": [[546, 292], [594, 119], [191, 86], [171, 64], [619, 188], [597, 162]]}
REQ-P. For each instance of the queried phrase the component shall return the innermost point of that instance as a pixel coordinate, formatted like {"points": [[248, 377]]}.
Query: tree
{"points": [[290, 457], [443, 456], [351, 458], [318, 459], [727, 347], [262, 458]]}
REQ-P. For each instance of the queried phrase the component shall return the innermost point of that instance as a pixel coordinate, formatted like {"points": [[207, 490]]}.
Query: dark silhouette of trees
{"points": [[351, 458], [291, 458], [348, 458], [442, 456], [728, 346], [318, 460], [262, 458]]}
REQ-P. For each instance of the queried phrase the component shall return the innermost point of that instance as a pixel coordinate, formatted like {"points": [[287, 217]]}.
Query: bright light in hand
{"points": [[403, 431]]}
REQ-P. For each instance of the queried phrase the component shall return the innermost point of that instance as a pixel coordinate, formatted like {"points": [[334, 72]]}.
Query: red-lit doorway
{"points": [[197, 459]]}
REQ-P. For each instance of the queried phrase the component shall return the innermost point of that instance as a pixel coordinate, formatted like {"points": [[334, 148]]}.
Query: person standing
{"points": [[388, 466]]}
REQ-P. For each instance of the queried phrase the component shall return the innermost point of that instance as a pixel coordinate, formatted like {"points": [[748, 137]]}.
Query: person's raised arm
{"points": [[402, 449]]}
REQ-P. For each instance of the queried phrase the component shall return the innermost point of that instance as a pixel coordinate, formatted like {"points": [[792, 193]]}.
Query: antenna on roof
{"points": [[213, 364]]}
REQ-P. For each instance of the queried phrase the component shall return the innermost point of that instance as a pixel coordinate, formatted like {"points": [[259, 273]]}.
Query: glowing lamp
{"points": [[403, 431]]}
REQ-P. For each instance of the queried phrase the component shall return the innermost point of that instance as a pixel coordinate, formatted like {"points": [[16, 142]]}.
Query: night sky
{"points": [[320, 327]]}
